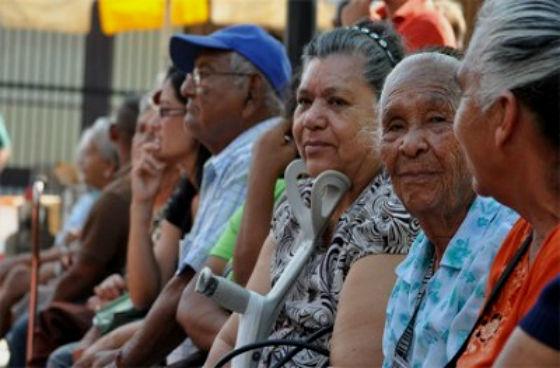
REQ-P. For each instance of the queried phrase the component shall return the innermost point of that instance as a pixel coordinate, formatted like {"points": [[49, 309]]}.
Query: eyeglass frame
{"points": [[170, 111]]}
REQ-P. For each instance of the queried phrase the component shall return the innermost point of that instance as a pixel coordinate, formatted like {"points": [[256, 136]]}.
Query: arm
{"points": [[271, 155], [160, 332], [360, 319], [522, 350], [143, 277], [113, 340], [5, 154], [199, 316], [259, 282]]}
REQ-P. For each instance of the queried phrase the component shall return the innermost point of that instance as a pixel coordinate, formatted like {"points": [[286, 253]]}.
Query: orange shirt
{"points": [[419, 23], [518, 295]]}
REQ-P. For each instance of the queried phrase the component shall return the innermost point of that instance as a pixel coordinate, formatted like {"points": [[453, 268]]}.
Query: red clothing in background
{"points": [[419, 23]]}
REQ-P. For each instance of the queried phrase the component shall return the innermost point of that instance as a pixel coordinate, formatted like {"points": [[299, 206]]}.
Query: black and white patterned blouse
{"points": [[376, 223]]}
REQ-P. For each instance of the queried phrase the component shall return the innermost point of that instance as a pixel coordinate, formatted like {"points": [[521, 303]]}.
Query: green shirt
{"points": [[226, 243], [4, 137]]}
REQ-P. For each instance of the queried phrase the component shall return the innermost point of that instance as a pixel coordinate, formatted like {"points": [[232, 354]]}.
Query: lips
{"points": [[418, 176], [315, 147]]}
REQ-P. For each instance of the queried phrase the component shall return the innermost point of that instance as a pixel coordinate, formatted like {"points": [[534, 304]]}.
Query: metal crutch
{"points": [[259, 312], [38, 187]]}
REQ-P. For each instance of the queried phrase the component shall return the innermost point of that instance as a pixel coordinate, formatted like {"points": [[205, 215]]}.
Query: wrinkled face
{"points": [[215, 103], [334, 117], [95, 170], [472, 131], [175, 142], [419, 148]]}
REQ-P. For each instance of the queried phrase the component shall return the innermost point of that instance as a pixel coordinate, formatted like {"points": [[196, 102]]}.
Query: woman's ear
{"points": [[507, 119]]}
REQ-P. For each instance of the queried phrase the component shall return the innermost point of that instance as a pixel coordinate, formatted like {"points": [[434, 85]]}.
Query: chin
{"points": [[314, 169]]}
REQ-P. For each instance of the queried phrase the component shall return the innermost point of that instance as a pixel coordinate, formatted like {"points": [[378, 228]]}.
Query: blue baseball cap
{"points": [[266, 53]]}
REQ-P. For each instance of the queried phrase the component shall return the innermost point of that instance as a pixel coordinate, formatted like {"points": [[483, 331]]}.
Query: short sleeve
{"points": [[4, 137], [226, 243], [178, 212]]}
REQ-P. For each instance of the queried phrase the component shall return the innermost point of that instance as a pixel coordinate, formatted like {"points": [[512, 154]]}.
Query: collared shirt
{"points": [[78, 215], [455, 293], [419, 23], [223, 190]]}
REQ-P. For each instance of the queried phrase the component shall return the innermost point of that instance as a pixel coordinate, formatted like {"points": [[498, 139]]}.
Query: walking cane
{"points": [[38, 187], [259, 312]]}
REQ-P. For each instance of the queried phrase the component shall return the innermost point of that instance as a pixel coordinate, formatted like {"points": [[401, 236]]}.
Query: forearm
{"points": [[255, 225], [160, 332], [201, 318], [4, 157], [224, 343], [143, 279], [76, 283]]}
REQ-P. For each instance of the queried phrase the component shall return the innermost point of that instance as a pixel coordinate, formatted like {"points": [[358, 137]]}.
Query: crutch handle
{"points": [[226, 293]]}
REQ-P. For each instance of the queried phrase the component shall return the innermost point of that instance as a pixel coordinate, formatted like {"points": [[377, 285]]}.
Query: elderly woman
{"points": [[440, 285], [334, 125], [508, 124]]}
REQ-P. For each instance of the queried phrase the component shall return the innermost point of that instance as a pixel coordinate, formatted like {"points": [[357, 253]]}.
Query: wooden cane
{"points": [[38, 187]]}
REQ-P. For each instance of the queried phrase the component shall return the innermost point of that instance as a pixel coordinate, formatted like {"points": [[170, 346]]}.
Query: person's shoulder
{"points": [[118, 191]]}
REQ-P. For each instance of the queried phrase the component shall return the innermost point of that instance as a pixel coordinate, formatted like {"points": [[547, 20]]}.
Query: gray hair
{"points": [[272, 102], [98, 134], [379, 61], [434, 64], [516, 47], [438, 64]]}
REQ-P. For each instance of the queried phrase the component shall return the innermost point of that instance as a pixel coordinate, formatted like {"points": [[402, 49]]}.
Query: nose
{"points": [[187, 87], [413, 143], [314, 116]]}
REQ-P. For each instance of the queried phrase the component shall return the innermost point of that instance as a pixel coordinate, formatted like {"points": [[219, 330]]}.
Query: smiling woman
{"points": [[440, 285], [334, 128]]}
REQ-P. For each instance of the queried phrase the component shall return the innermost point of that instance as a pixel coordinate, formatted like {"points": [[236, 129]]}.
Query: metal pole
{"points": [[38, 187], [300, 27], [97, 72]]}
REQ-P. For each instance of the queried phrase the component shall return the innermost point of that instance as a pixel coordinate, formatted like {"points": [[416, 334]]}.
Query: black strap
{"points": [[400, 357], [493, 296]]}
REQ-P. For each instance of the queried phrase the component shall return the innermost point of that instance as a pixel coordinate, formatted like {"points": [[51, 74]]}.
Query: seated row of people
{"points": [[415, 267]]}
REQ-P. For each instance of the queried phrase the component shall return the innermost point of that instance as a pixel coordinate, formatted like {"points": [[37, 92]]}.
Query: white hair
{"points": [[240, 64], [98, 134], [515, 43]]}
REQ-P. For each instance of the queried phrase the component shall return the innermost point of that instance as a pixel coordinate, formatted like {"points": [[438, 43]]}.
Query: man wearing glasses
{"points": [[234, 86]]}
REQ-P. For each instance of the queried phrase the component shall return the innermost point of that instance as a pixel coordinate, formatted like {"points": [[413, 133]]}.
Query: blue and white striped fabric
{"points": [[455, 293], [223, 190]]}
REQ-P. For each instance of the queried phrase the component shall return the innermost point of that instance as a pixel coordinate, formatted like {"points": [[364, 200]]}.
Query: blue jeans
{"points": [[62, 357], [17, 341]]}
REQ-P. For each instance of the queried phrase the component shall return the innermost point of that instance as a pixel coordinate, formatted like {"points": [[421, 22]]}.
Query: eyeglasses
{"points": [[171, 111], [198, 75]]}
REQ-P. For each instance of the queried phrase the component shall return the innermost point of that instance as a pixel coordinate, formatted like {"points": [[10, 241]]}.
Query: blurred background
{"points": [[63, 63]]}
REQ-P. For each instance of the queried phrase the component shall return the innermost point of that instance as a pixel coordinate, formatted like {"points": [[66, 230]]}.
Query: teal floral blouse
{"points": [[454, 294]]}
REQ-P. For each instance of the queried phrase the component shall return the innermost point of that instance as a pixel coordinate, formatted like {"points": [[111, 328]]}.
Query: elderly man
{"points": [[236, 77], [440, 285]]}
